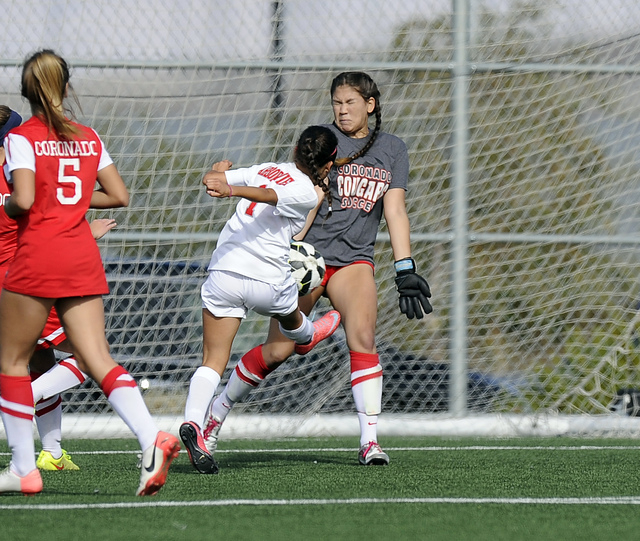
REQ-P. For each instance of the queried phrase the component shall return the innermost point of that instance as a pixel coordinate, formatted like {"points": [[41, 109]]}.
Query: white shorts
{"points": [[227, 294]]}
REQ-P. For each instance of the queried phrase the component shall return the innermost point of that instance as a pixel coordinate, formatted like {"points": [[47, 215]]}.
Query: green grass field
{"points": [[435, 489]]}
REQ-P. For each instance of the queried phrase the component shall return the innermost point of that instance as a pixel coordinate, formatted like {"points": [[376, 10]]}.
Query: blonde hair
{"points": [[45, 76]]}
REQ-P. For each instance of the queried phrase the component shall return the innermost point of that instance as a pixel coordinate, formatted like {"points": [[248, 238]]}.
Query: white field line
{"points": [[390, 449], [623, 500]]}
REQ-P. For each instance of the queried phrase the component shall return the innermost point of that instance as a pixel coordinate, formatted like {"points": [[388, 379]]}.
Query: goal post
{"points": [[552, 214]]}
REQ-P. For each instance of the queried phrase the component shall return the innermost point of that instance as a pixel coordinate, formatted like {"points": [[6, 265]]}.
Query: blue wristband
{"points": [[406, 264]]}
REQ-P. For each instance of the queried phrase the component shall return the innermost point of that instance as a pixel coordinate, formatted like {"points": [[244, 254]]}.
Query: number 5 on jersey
{"points": [[74, 181]]}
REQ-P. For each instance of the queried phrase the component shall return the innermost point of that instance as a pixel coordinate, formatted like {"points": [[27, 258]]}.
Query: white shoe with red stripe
{"points": [[155, 463], [29, 485], [210, 433], [371, 454]]}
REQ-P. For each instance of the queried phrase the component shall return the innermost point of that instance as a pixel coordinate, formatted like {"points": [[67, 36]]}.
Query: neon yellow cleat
{"points": [[47, 462]]}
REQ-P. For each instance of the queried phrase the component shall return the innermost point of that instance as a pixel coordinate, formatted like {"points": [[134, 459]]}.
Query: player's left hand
{"points": [[222, 166], [101, 226], [413, 289]]}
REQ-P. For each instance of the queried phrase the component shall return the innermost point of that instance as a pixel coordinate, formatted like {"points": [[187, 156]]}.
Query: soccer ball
{"points": [[307, 266]]}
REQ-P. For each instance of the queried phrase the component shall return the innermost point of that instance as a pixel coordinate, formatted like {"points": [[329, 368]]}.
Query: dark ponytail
{"points": [[367, 88], [316, 147]]}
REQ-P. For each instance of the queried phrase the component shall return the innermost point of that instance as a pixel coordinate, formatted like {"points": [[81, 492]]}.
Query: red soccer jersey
{"points": [[56, 255], [8, 227]]}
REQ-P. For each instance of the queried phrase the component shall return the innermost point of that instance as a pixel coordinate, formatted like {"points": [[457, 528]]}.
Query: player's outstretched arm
{"points": [[216, 186], [413, 290]]}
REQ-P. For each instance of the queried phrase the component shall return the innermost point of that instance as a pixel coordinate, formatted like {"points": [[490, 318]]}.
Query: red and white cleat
{"points": [[29, 485], [155, 463], [371, 454], [322, 328]]}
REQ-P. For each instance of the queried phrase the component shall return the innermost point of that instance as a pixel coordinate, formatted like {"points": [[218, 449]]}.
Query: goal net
{"points": [[532, 124]]}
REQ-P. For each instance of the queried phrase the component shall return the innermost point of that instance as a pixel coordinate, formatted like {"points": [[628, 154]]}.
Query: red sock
{"points": [[370, 362], [17, 398], [116, 378], [16, 405], [252, 369], [124, 397], [366, 382]]}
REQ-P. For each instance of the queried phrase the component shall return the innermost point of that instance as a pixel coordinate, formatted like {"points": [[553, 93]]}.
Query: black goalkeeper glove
{"points": [[413, 289]]}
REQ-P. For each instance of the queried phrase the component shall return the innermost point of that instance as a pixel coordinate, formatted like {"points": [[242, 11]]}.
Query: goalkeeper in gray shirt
{"points": [[369, 179]]}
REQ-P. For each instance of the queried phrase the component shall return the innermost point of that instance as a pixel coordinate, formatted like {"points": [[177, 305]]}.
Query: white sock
{"points": [[128, 403], [368, 428], [49, 422], [222, 404], [123, 394], [61, 377], [246, 376], [301, 335], [204, 383], [17, 415], [367, 396], [20, 440]]}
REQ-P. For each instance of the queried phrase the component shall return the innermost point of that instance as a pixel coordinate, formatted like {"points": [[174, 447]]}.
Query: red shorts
{"points": [[330, 270], [53, 332]]}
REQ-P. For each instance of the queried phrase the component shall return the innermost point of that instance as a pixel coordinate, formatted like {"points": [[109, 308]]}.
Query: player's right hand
{"points": [[216, 187]]}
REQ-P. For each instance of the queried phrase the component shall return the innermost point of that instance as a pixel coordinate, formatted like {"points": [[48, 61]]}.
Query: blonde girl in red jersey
{"points": [[53, 164], [46, 390]]}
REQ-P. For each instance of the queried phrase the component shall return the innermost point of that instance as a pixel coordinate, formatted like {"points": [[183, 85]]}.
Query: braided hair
{"points": [[367, 88], [317, 145]]}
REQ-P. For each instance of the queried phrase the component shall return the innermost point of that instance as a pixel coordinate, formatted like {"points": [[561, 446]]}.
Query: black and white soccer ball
{"points": [[307, 266]]}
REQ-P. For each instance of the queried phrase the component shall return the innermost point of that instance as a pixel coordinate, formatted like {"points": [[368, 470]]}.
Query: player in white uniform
{"points": [[249, 269], [368, 181]]}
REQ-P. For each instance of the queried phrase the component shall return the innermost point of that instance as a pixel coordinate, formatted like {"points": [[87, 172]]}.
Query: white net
{"points": [[551, 219]]}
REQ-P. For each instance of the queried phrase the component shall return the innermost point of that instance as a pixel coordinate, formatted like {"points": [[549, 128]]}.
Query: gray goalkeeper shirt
{"points": [[349, 234]]}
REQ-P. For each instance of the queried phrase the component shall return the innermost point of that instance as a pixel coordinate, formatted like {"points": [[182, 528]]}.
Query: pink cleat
{"points": [[29, 485], [322, 328], [156, 460], [199, 455]]}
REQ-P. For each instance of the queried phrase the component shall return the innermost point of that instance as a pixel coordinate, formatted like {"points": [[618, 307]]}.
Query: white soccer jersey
{"points": [[255, 241]]}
